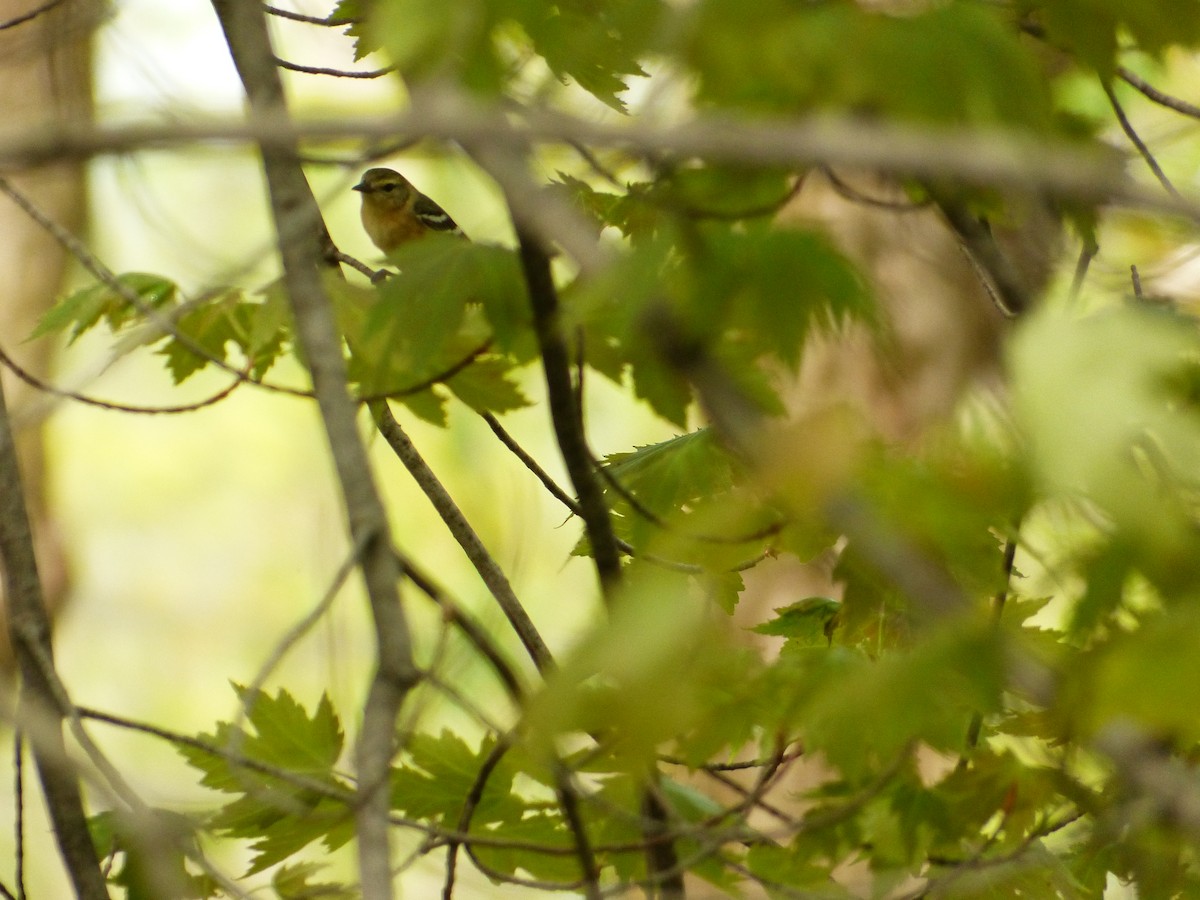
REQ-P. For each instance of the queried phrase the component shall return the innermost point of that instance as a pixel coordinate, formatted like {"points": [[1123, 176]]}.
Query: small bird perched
{"points": [[394, 212]]}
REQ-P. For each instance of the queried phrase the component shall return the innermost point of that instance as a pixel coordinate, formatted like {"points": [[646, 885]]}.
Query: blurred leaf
{"points": [[869, 712], [487, 386], [807, 622], [1094, 397], [1093, 29], [955, 62], [293, 882], [150, 870], [1145, 677], [642, 675]]}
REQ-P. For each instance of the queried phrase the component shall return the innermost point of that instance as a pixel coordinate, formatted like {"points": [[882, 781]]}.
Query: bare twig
{"points": [[1136, 278], [1087, 253], [485, 564], [31, 15], [336, 73], [1152, 93], [19, 810], [475, 633], [304, 251], [326, 21], [1138, 143], [39, 384]]}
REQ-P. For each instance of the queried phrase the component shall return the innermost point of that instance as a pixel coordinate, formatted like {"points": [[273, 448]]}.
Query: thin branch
{"points": [[1136, 278], [326, 21], [19, 810], [375, 275], [304, 245], [297, 632], [1087, 252], [568, 501], [475, 633], [470, 803], [489, 570], [531, 464], [44, 386], [848, 192], [336, 73], [31, 15], [1136, 140], [1152, 93]]}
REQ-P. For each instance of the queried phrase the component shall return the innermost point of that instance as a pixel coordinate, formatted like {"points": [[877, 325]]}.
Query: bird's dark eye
{"points": [[387, 187]]}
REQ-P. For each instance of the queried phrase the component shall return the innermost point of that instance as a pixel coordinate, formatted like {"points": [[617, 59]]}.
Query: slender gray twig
{"points": [[305, 250], [485, 564]]}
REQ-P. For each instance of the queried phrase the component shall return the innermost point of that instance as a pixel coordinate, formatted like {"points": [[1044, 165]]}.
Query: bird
{"points": [[394, 212]]}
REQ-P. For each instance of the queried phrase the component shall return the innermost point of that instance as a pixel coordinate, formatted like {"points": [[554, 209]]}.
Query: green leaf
{"points": [[543, 829], [1137, 677], [439, 776], [673, 473], [782, 867], [210, 327], [154, 870], [85, 308], [277, 815], [865, 713], [807, 622], [767, 289], [593, 44], [293, 882], [643, 675], [487, 385], [1093, 29], [427, 319], [287, 736], [956, 62]]}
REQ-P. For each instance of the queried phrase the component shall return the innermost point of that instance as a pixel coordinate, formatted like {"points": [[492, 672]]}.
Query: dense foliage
{"points": [[994, 702]]}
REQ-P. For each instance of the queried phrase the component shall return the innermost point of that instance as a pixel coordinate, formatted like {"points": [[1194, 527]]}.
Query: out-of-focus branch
{"points": [[304, 247], [974, 157], [29, 632]]}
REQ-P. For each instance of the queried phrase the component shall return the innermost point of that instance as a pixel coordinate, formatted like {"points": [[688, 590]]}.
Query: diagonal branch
{"points": [[487, 567], [304, 248]]}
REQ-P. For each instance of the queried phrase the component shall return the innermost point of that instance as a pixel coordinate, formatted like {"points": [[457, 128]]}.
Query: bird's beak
{"points": [[361, 187]]}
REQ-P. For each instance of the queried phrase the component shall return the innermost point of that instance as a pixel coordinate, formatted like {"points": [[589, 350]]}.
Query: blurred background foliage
{"points": [[954, 756]]}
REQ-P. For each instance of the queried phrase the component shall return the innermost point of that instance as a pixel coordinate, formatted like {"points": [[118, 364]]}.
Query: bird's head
{"points": [[384, 188]]}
